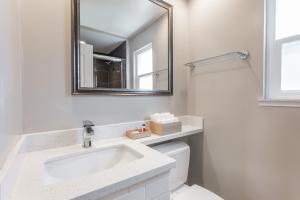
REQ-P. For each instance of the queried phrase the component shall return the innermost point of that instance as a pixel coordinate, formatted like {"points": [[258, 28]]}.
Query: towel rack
{"points": [[108, 58], [243, 55], [156, 73]]}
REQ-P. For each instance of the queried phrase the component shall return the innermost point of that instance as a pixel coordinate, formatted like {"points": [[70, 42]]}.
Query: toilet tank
{"points": [[179, 151]]}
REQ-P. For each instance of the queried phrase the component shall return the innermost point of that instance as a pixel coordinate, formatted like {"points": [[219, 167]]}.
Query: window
{"points": [[290, 66], [143, 64], [282, 67]]}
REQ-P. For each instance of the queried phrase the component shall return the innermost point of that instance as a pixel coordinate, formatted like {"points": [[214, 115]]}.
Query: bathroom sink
{"points": [[85, 163]]}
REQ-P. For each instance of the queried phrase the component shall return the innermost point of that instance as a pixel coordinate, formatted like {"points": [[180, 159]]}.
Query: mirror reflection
{"points": [[124, 45]]}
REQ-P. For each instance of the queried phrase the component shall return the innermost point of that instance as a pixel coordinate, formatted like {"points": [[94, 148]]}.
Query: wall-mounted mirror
{"points": [[122, 47]]}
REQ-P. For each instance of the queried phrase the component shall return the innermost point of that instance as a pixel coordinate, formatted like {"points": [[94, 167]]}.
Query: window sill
{"points": [[279, 103]]}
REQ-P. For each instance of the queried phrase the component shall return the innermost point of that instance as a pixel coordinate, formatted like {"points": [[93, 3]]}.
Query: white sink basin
{"points": [[85, 163]]}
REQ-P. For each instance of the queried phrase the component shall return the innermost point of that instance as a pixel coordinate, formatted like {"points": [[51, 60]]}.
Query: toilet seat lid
{"points": [[196, 192]]}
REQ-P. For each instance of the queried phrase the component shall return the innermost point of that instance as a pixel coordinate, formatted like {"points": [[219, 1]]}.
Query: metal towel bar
{"points": [[243, 55]]}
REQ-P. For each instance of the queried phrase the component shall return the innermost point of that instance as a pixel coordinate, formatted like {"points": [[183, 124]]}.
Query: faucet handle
{"points": [[90, 130], [87, 123]]}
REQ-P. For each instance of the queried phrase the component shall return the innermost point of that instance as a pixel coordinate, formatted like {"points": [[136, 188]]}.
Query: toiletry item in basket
{"points": [[139, 133]]}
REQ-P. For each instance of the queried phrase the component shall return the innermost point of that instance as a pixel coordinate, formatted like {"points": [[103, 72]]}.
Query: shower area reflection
{"points": [[109, 72]]}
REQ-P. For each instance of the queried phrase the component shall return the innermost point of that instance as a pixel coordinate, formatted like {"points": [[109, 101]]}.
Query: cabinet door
{"points": [[136, 194]]}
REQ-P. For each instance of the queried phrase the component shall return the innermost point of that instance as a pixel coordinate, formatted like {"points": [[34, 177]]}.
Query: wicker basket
{"points": [[165, 129]]}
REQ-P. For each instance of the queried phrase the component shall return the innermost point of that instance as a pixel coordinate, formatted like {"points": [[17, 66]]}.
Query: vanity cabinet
{"points": [[156, 188]]}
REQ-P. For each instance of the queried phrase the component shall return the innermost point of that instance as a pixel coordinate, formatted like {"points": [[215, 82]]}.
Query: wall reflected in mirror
{"points": [[124, 44]]}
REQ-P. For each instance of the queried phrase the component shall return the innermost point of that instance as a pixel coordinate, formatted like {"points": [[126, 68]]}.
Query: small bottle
{"points": [[144, 127]]}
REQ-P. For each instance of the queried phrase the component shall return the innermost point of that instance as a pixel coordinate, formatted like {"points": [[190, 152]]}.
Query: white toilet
{"points": [[180, 151]]}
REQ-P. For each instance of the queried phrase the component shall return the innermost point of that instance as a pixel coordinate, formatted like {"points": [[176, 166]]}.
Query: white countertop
{"points": [[31, 186], [21, 178], [187, 130]]}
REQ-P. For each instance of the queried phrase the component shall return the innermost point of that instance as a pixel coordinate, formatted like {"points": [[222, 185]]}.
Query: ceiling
{"points": [[107, 23], [102, 42]]}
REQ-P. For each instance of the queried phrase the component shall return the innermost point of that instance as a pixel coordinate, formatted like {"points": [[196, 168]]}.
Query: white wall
{"points": [[10, 76], [249, 152], [48, 104], [157, 35]]}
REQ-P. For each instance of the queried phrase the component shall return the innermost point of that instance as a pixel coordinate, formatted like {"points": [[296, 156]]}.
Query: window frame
{"points": [[272, 95], [135, 67]]}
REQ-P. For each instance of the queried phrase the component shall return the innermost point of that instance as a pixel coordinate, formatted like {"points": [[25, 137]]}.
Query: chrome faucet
{"points": [[88, 132]]}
